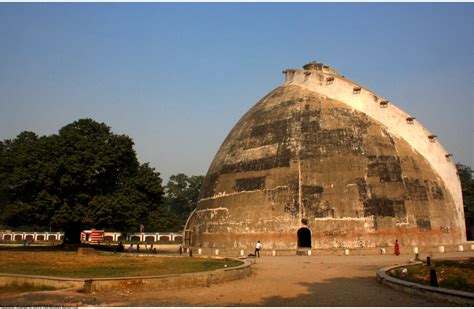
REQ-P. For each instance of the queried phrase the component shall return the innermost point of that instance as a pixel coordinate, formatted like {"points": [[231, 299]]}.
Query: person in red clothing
{"points": [[397, 247]]}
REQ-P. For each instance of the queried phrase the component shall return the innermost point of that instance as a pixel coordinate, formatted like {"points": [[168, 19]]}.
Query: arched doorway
{"points": [[304, 238]]}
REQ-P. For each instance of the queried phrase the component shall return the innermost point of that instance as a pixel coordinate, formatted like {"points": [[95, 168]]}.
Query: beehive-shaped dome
{"points": [[322, 162]]}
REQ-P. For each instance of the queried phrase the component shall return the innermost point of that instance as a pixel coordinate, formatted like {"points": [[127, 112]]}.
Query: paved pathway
{"points": [[276, 281]]}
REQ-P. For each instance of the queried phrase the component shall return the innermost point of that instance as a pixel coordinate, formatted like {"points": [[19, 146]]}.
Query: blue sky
{"points": [[176, 77]]}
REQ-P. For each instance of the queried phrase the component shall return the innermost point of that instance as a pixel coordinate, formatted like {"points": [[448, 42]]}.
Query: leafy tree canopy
{"points": [[181, 197], [85, 176]]}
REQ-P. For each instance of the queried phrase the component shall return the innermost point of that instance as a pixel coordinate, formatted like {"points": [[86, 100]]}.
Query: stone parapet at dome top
{"points": [[314, 66]]}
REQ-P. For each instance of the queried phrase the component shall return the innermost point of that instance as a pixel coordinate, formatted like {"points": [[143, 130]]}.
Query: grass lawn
{"points": [[70, 264], [456, 275], [23, 287]]}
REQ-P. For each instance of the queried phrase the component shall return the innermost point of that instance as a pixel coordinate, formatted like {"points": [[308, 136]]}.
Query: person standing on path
{"points": [[397, 247], [258, 246]]}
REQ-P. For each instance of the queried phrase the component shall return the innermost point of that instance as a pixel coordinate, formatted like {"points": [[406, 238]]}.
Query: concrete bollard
{"points": [[441, 249], [309, 252], [472, 247], [242, 252], [461, 248], [199, 251], [274, 253], [382, 251], [216, 252], [415, 250], [433, 278], [346, 252]]}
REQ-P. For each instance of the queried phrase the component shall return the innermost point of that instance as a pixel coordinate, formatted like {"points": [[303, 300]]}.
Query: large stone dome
{"points": [[322, 162]]}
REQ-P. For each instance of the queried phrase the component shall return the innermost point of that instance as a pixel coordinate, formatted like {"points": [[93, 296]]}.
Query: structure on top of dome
{"points": [[322, 162]]}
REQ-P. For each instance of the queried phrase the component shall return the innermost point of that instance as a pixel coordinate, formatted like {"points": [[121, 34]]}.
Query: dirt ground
{"points": [[276, 281]]}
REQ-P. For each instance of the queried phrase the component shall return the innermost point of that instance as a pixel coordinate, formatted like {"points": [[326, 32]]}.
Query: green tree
{"points": [[181, 197], [467, 185], [83, 177]]}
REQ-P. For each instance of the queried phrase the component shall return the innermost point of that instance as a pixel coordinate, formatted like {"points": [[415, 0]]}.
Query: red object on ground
{"points": [[92, 235]]}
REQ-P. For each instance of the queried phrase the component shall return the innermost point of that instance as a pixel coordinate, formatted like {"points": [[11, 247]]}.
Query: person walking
{"points": [[397, 247], [258, 247], [120, 247]]}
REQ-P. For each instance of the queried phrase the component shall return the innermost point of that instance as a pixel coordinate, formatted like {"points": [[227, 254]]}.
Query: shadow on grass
{"points": [[75, 247], [36, 248]]}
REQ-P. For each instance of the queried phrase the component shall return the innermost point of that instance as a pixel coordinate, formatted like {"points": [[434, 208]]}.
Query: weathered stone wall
{"points": [[327, 82], [300, 158]]}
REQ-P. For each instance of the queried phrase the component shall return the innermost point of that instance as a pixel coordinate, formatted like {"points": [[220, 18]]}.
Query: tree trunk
{"points": [[72, 233]]}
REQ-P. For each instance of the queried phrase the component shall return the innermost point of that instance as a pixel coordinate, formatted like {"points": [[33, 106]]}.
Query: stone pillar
{"points": [[415, 250], [441, 249], [382, 250], [242, 252], [216, 251], [461, 248], [346, 251], [309, 252], [199, 251], [274, 253]]}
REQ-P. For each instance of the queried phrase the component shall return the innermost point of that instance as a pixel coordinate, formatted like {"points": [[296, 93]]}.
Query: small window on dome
{"points": [[448, 156], [383, 104], [432, 138], [356, 90], [410, 120], [329, 80]]}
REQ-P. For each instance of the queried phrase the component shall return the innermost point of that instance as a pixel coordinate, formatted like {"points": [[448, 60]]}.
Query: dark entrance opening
{"points": [[304, 238]]}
